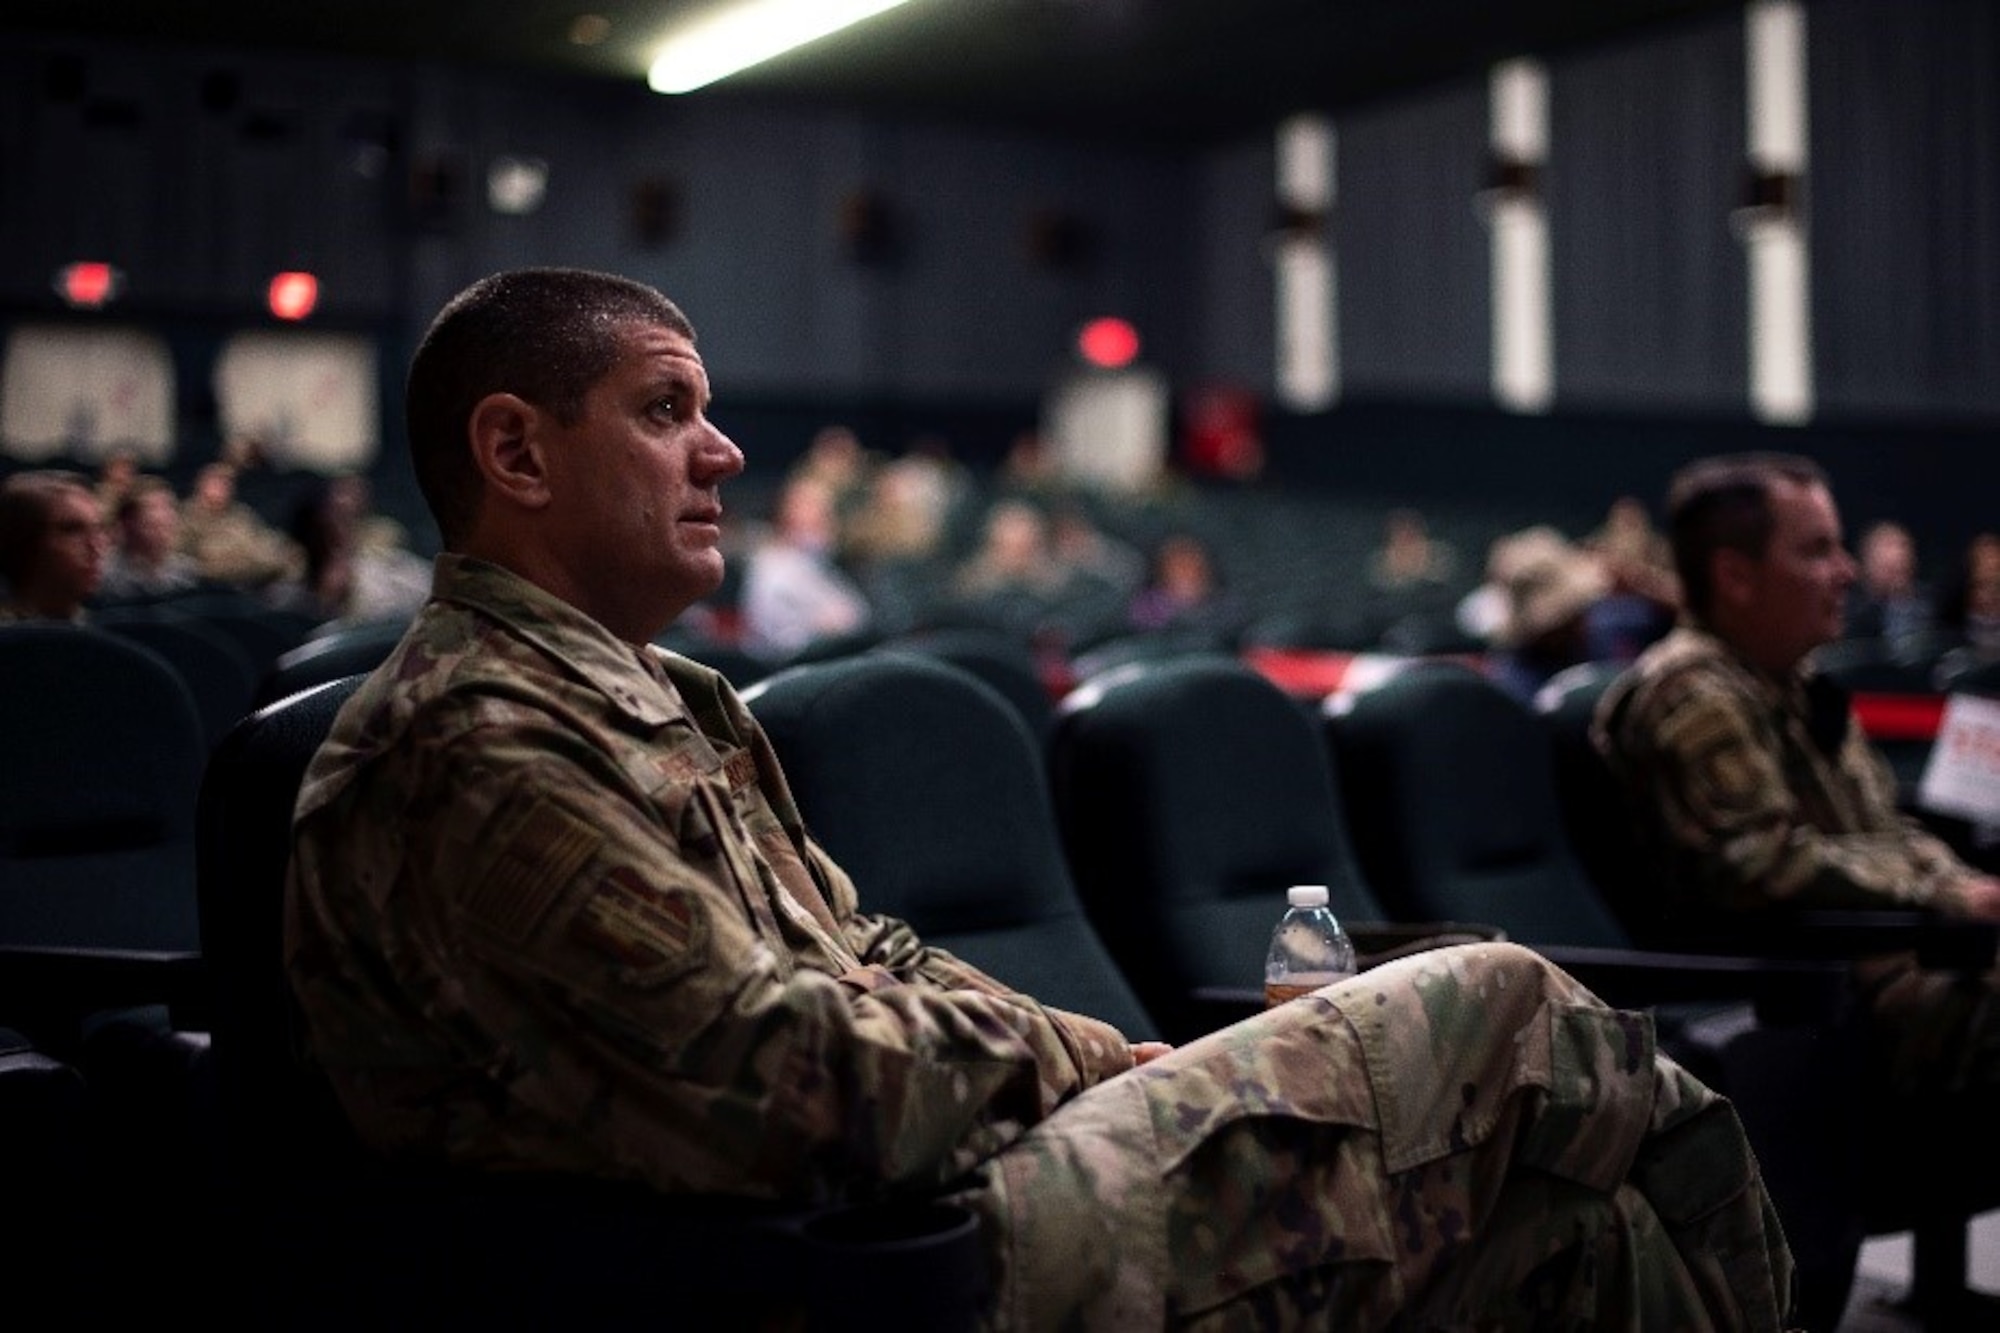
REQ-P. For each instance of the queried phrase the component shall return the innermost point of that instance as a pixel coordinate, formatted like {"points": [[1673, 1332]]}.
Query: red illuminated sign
{"points": [[88, 285], [1110, 343], [293, 295]]}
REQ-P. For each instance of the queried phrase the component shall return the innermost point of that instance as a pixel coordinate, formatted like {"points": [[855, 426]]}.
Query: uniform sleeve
{"points": [[1087, 1050], [614, 973], [1706, 766]]}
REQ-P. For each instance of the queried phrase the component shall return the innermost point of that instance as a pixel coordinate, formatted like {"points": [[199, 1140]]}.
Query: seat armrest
{"points": [[1384, 941], [1845, 934], [1784, 990], [1375, 942], [50, 984]]}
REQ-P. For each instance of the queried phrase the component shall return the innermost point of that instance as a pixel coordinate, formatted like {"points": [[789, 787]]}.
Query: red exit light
{"points": [[293, 295], [88, 285], [1109, 343]]}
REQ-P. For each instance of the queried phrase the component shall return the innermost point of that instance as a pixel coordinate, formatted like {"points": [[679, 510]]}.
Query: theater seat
{"points": [[1004, 661], [1603, 829], [101, 759], [1191, 793], [926, 787], [350, 650], [1453, 801], [318, 1233]]}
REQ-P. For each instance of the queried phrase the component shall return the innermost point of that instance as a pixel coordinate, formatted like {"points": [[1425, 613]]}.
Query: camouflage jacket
{"points": [[551, 906], [1745, 805]]}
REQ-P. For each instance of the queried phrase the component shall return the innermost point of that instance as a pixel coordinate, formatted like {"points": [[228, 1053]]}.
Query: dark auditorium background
{"points": [[1481, 264], [904, 231]]}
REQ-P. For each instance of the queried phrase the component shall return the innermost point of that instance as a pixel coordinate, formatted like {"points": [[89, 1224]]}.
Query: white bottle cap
{"points": [[1306, 895]]}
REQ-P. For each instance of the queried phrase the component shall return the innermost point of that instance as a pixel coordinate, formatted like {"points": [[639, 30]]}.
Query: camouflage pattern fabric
{"points": [[235, 546], [1742, 802], [551, 902], [1746, 810], [552, 907], [1462, 1139]]}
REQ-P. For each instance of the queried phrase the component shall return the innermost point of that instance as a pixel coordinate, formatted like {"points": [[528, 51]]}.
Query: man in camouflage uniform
{"points": [[552, 906], [1757, 789]]}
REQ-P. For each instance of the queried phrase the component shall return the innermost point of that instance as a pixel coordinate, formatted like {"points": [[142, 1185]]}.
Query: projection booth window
{"points": [[304, 400], [85, 394]]}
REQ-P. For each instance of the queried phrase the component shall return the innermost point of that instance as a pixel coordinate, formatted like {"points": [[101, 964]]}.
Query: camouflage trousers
{"points": [[1464, 1139]]}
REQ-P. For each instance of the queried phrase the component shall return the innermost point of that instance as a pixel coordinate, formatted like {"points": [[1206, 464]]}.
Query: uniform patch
{"points": [[547, 848], [653, 935], [741, 770]]}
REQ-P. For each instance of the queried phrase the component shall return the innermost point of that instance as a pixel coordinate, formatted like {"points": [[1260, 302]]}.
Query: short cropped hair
{"points": [[26, 501], [545, 335], [1724, 503]]}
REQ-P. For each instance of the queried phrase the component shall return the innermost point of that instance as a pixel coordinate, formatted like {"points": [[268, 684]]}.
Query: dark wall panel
{"points": [[1646, 162], [1410, 253], [1905, 205]]}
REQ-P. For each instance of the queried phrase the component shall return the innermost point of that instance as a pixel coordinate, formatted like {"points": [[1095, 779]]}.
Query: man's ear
{"points": [[1731, 576], [508, 449]]}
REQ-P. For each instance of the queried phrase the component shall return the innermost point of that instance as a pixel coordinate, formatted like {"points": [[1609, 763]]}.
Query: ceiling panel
{"points": [[1172, 70]]}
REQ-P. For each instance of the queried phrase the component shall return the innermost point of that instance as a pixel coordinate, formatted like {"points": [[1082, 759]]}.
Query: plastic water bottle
{"points": [[1308, 949]]}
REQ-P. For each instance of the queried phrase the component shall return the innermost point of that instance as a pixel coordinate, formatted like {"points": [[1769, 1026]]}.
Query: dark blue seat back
{"points": [[927, 789]]}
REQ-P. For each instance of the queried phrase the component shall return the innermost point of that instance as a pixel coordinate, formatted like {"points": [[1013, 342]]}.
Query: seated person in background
{"points": [[901, 519], [53, 545], [147, 560], [355, 566], [1751, 779], [115, 475], [836, 460], [552, 908], [1013, 576], [1409, 558], [1644, 595], [227, 540], [1184, 593], [1551, 590], [1972, 608], [1887, 602], [793, 593]]}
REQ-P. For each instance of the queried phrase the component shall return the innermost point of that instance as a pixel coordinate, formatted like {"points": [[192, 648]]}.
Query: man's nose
{"points": [[718, 457]]}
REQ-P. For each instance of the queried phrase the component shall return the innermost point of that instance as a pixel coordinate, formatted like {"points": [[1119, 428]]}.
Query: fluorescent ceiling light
{"points": [[750, 32]]}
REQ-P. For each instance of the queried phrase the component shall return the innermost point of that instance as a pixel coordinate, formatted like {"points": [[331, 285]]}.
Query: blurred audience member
{"points": [[355, 567], [793, 594], [836, 460], [1886, 601], [902, 518], [1972, 608], [53, 545], [1030, 467], [1551, 591], [1409, 558], [1013, 556], [227, 540], [147, 560], [1183, 593], [115, 475], [1643, 593], [1012, 580], [1086, 552]]}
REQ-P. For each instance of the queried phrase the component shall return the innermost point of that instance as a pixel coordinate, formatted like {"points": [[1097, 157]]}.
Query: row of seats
{"points": [[1189, 794]]}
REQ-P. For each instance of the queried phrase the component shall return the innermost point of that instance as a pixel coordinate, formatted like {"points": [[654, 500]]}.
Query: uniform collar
{"points": [[614, 668], [1784, 689]]}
